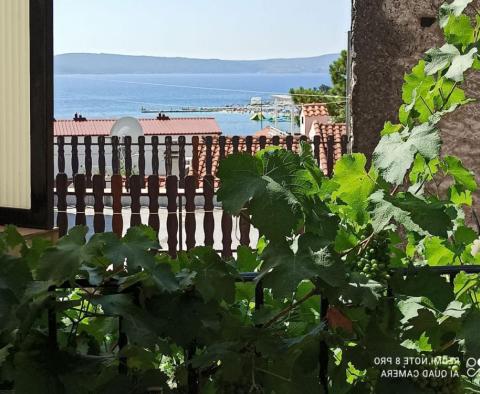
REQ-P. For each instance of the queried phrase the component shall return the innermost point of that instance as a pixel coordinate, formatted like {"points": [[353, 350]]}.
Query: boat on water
{"points": [[258, 117]]}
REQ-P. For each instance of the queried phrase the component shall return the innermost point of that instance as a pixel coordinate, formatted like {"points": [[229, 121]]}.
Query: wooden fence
{"points": [[194, 181]]}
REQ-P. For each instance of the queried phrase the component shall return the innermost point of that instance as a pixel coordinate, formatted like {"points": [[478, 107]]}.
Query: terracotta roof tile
{"points": [[229, 149], [315, 109], [339, 133], [266, 132], [173, 126], [337, 130]]}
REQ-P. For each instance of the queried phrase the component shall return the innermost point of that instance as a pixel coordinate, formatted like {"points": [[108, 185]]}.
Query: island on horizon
{"points": [[90, 63]]}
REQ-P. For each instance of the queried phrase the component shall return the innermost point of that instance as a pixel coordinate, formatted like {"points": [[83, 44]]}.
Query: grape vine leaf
{"points": [[440, 58], [437, 253], [395, 153], [453, 166], [275, 211], [355, 185], [319, 219], [460, 196], [469, 333], [390, 128], [425, 283], [413, 213], [285, 266], [140, 326], [460, 64], [455, 8], [241, 178], [417, 83], [60, 263], [15, 275], [459, 31], [246, 259], [214, 279]]}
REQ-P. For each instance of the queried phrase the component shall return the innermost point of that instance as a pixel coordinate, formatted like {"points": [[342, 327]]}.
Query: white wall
{"points": [[15, 191]]}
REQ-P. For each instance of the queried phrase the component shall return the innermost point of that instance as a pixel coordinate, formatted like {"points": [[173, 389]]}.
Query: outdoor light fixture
{"points": [[26, 113]]}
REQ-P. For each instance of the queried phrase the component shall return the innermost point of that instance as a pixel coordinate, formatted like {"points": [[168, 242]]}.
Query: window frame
{"points": [[40, 214]]}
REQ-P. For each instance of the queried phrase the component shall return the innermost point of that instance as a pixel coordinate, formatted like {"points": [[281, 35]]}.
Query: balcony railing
{"points": [[167, 183]]}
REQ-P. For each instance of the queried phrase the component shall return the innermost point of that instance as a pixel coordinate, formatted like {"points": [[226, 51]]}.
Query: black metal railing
{"points": [[449, 272]]}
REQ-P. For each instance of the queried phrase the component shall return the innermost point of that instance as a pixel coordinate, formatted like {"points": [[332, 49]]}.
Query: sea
{"points": [[106, 96]]}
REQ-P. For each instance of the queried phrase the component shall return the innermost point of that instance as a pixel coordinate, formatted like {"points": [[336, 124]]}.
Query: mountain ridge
{"points": [[101, 63]]}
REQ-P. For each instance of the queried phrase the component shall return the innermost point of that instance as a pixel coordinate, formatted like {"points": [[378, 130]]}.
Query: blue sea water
{"points": [[113, 96]]}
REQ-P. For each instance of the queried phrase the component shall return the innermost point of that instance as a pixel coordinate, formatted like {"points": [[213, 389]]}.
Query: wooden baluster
{"points": [[74, 142], [289, 141], [235, 144], [172, 220], [249, 144], [190, 222], [227, 222], [141, 159], [117, 219], [135, 193], [316, 148], [208, 219], [344, 142], [115, 156], [98, 193], [195, 157], [262, 142], [80, 192], [227, 225], [88, 160], [208, 155], [259, 296], [153, 194], [222, 143], [61, 184], [330, 155], [181, 160], [244, 225], [101, 157], [61, 154], [276, 140], [155, 160], [168, 156], [304, 138], [128, 160]]}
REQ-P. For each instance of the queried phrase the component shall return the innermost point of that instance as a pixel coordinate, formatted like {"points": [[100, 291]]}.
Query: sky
{"points": [[220, 29]]}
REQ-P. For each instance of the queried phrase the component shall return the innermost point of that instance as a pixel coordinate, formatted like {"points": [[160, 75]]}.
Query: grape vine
{"points": [[365, 239]]}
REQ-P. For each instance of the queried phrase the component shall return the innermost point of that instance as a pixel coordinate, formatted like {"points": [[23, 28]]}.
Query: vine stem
{"points": [[362, 244], [477, 222], [289, 308], [214, 367], [449, 95], [434, 181], [426, 105], [395, 189], [274, 375]]}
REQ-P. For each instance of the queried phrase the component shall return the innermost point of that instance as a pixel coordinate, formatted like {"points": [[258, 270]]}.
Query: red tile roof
{"points": [[337, 130], [315, 109], [266, 132], [242, 147], [173, 126]]}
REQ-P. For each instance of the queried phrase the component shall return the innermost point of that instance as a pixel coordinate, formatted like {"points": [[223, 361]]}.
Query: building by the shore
{"points": [[80, 128]]}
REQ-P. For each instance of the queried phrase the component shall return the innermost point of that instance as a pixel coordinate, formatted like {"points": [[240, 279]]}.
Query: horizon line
{"points": [[197, 58]]}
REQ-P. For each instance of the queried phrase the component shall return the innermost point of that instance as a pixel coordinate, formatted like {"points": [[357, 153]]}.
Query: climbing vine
{"points": [[365, 239]]}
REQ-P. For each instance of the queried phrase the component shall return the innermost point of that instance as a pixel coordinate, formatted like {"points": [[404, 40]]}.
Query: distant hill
{"points": [[87, 63]]}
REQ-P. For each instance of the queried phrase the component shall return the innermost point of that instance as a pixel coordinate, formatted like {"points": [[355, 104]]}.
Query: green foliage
{"points": [[366, 240], [332, 96]]}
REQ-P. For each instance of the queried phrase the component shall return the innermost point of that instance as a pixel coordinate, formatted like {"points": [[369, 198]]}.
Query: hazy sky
{"points": [[226, 29]]}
